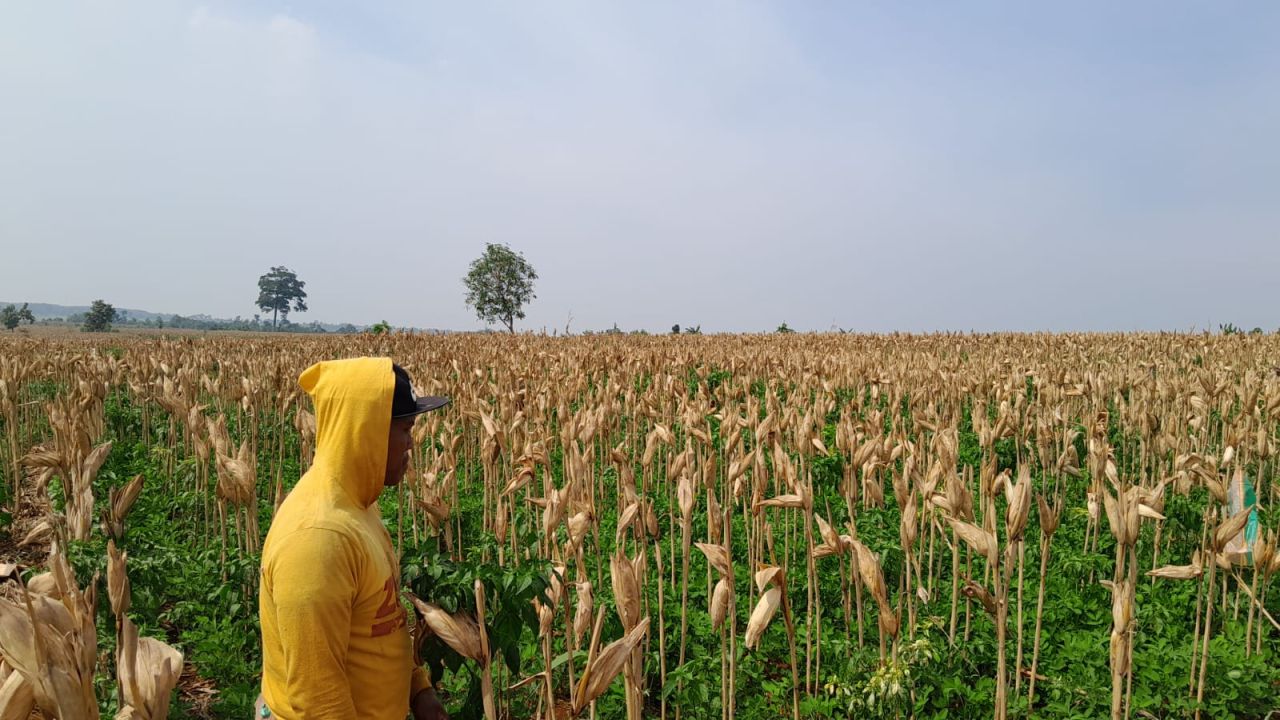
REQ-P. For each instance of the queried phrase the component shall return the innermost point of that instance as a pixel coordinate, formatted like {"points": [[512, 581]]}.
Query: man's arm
{"points": [[422, 697], [426, 706], [313, 589]]}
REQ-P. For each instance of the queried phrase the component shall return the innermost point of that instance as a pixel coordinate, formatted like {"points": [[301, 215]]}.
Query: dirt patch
{"points": [[197, 693], [29, 514]]}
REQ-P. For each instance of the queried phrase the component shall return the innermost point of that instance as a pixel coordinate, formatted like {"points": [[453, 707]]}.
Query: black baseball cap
{"points": [[405, 404]]}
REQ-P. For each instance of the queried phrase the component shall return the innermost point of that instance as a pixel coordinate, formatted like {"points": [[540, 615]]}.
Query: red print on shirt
{"points": [[390, 616]]}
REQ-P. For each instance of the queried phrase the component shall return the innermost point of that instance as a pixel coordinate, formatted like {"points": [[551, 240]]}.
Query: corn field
{"points": [[723, 526]]}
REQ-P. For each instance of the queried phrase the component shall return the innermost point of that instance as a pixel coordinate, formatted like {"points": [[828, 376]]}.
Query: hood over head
{"points": [[352, 400]]}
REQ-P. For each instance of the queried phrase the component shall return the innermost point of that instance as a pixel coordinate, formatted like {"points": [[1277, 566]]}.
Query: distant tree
{"points": [[9, 317], [380, 328], [99, 318], [694, 330], [280, 291], [784, 329], [499, 285], [675, 329], [348, 328]]}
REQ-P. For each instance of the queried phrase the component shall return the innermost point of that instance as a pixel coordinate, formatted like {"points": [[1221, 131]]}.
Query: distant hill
{"points": [[47, 311], [50, 311]]}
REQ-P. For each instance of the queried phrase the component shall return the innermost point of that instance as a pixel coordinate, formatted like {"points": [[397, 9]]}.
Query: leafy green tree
{"points": [[499, 285], [380, 328], [785, 329], [280, 291], [11, 315], [675, 329], [99, 318]]}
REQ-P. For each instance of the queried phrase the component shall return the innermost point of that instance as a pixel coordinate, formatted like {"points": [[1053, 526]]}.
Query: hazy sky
{"points": [[876, 166]]}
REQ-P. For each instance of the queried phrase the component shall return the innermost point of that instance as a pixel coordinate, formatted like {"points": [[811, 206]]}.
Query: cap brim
{"points": [[426, 404]]}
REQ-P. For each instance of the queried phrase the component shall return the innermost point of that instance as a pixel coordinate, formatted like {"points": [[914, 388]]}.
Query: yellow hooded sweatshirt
{"points": [[334, 639]]}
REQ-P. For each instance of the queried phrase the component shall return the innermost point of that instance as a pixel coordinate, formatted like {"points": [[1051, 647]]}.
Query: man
{"points": [[335, 643]]}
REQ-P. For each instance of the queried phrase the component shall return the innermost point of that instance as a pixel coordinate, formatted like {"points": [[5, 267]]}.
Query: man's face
{"points": [[399, 445]]}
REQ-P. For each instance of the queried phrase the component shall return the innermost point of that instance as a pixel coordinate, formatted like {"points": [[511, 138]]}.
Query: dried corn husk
{"points": [[1264, 550], [149, 670], [768, 575], [582, 614], [1019, 497], [1121, 607], [44, 584], [603, 668], [626, 589], [627, 517], [486, 673], [52, 644], [117, 580], [120, 501], [1122, 516], [39, 533], [1177, 572], [1050, 516], [579, 525], [458, 631], [973, 590], [869, 570], [762, 614], [720, 599], [829, 536], [17, 699], [791, 500], [941, 502], [718, 557], [982, 541], [1146, 511], [685, 497], [1121, 617], [1230, 528]]}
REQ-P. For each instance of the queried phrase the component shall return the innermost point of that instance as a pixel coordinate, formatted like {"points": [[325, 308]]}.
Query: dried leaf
{"points": [[1177, 572]]}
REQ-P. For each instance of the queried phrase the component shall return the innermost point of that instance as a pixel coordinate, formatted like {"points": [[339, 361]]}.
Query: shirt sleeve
{"points": [[420, 680], [314, 584]]}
